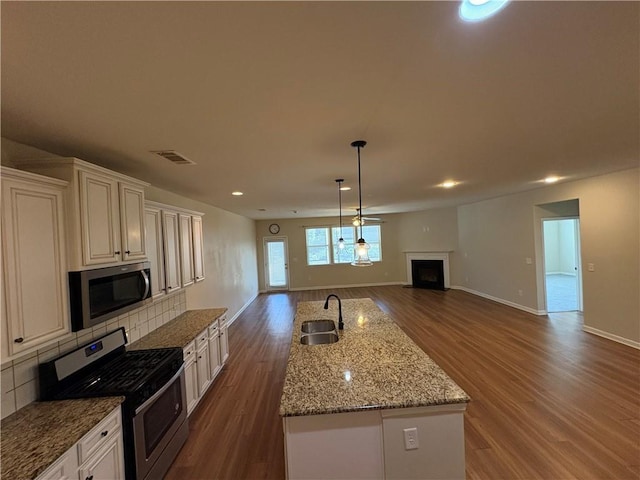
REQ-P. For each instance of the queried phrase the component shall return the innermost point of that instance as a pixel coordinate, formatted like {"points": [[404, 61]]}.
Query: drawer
{"points": [[202, 339], [99, 435], [189, 352], [213, 329]]}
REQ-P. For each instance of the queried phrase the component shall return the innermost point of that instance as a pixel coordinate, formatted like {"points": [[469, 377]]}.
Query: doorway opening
{"points": [[562, 271], [276, 263]]}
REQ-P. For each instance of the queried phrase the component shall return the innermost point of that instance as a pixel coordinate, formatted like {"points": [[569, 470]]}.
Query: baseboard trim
{"points": [[611, 336], [242, 309], [500, 300], [323, 287]]}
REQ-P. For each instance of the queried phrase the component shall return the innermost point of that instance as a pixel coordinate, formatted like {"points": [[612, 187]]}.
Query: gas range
{"points": [[152, 382]]}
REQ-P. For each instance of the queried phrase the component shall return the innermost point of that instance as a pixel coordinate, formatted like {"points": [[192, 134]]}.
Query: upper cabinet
{"points": [[155, 249], [176, 253], [198, 248], [105, 211], [186, 249], [34, 262]]}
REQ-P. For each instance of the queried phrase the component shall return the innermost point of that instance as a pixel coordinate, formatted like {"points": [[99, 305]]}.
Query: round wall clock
{"points": [[274, 228]]}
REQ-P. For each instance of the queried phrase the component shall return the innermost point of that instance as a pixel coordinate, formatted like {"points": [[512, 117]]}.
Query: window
{"points": [[317, 246], [321, 241]]}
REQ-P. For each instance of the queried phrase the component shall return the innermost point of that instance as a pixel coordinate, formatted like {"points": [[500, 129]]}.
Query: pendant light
{"points": [[341, 239], [361, 250]]}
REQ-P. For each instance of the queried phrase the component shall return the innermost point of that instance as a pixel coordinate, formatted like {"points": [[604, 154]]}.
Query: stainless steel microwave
{"points": [[103, 293]]}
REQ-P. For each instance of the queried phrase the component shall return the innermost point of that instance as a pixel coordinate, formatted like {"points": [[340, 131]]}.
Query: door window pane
{"points": [[276, 262]]}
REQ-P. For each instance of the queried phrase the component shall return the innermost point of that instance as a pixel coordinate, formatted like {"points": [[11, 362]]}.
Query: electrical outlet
{"points": [[411, 438], [591, 267], [528, 260], [520, 292]]}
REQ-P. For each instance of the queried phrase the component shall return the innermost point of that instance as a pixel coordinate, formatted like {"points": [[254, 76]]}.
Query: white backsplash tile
{"points": [[25, 371], [25, 394], [19, 381], [6, 381]]}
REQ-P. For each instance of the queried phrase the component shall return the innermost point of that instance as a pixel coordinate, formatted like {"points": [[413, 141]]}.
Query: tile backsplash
{"points": [[19, 379]]}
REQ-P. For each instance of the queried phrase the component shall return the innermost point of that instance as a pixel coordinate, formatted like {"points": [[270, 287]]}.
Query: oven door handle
{"points": [[147, 286], [160, 392]]}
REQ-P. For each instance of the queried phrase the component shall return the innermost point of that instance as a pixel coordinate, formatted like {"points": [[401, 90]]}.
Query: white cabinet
{"points": [[155, 249], [106, 464], [215, 363], [191, 376], [132, 222], [65, 468], [224, 340], [105, 211], [176, 251], [203, 362], [198, 248], [99, 455], [186, 249], [171, 244], [34, 262]]}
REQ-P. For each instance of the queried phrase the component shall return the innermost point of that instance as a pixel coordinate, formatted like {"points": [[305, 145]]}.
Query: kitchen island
{"points": [[371, 405]]}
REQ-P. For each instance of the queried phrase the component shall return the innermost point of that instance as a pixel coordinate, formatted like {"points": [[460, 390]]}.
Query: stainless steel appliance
{"points": [[103, 293], [154, 412]]}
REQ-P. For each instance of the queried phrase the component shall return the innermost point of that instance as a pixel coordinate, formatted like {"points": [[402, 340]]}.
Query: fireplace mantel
{"points": [[444, 256]]}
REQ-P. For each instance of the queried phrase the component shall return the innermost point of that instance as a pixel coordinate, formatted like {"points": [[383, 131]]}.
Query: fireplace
{"points": [[427, 274]]}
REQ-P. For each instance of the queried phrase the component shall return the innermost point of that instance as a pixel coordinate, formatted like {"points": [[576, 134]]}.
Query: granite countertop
{"points": [[180, 331], [35, 436], [374, 365]]}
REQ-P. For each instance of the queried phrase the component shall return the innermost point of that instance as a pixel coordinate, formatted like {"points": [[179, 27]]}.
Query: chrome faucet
{"points": [[326, 307]]}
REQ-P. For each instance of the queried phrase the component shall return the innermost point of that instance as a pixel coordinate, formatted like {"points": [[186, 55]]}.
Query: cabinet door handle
{"points": [[127, 252], [105, 433], [19, 340], [90, 477], [117, 252]]}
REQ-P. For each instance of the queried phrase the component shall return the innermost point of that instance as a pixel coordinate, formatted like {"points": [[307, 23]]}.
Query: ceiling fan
{"points": [[356, 220]]}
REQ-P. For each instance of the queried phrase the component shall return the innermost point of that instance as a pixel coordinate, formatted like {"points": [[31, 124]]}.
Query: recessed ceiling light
{"points": [[448, 184], [551, 179], [478, 10], [345, 188], [237, 194]]}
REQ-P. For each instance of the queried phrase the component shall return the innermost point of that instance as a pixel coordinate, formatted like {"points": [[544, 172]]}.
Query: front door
{"points": [[276, 263]]}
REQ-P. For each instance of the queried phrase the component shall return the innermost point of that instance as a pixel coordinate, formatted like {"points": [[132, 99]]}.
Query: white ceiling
{"points": [[266, 97]]}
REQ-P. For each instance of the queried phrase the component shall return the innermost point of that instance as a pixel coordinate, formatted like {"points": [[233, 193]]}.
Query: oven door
{"points": [[156, 423]]}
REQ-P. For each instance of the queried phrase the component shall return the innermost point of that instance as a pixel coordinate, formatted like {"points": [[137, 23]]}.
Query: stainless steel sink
{"points": [[319, 338], [318, 326]]}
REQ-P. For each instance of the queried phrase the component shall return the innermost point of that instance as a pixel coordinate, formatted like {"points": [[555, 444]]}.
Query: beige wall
{"points": [[229, 254], [433, 230], [496, 236]]}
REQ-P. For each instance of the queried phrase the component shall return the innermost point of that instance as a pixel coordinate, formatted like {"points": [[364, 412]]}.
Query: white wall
{"points": [[559, 246]]}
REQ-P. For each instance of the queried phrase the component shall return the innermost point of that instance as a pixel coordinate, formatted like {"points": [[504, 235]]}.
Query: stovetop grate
{"points": [[123, 375]]}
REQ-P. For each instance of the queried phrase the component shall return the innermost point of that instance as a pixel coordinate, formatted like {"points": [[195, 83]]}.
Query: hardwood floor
{"points": [[548, 400]]}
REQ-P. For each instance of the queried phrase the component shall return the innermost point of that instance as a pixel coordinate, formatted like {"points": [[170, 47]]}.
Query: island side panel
{"points": [[439, 436], [334, 446]]}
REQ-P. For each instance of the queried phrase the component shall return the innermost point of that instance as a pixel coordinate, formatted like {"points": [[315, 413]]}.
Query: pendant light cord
{"points": [[359, 192]]}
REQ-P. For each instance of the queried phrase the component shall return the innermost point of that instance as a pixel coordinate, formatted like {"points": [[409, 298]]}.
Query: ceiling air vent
{"points": [[174, 157]]}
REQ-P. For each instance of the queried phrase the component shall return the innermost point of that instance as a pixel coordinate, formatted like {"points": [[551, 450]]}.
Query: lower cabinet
{"points": [[99, 455], [203, 361], [191, 376], [224, 340]]}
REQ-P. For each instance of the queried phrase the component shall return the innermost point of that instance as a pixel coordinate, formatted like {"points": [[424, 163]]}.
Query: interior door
{"points": [[276, 263]]}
